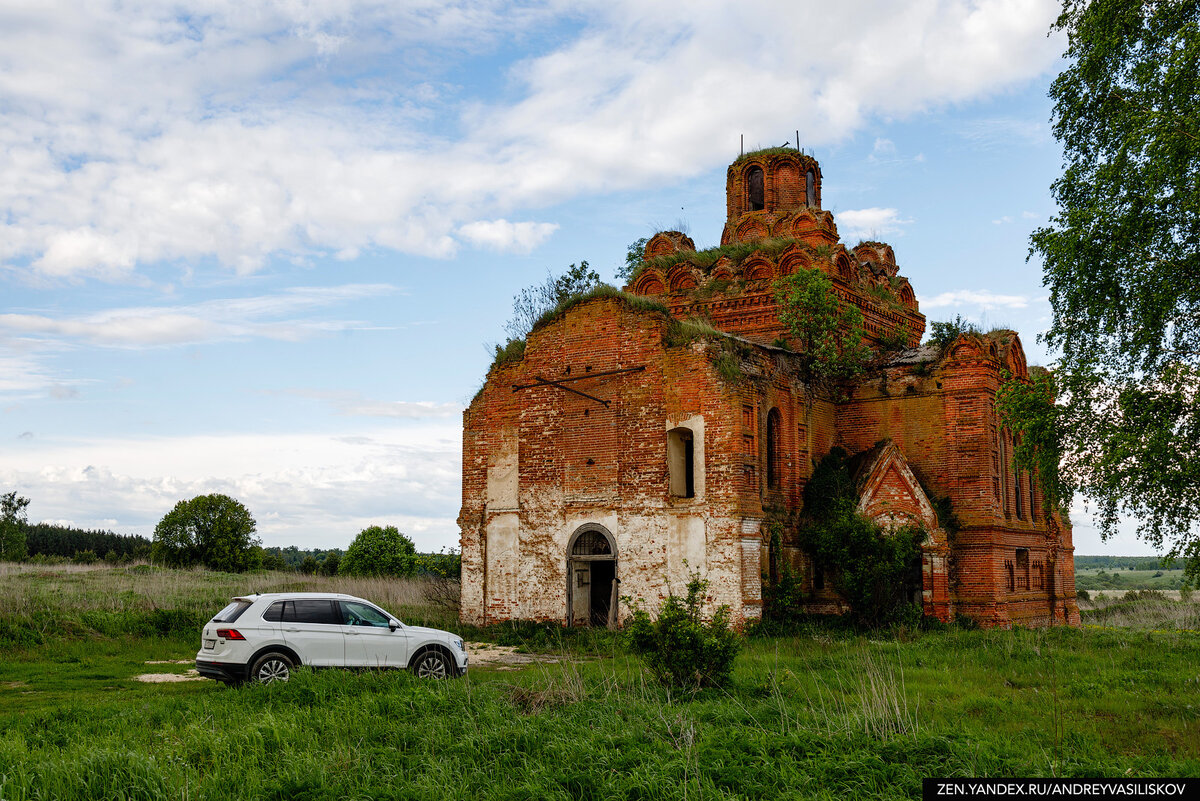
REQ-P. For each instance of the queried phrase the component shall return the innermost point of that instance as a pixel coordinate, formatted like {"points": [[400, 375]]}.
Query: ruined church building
{"points": [[621, 445]]}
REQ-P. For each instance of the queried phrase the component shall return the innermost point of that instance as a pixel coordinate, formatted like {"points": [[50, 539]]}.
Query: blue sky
{"points": [[264, 248]]}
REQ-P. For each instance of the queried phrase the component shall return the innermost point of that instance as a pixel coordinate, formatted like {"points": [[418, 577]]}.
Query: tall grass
{"points": [[141, 599], [1143, 609]]}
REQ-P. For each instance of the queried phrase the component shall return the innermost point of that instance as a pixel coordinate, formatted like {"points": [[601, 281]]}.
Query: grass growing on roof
{"points": [[635, 302], [705, 259], [787, 150]]}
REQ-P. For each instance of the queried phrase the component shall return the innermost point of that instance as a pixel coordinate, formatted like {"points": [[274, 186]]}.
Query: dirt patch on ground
{"points": [[504, 657], [169, 661], [161, 678]]}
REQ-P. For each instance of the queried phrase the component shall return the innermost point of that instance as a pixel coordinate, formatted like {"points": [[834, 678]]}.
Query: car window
{"points": [[275, 612], [358, 614], [312, 611], [231, 612]]}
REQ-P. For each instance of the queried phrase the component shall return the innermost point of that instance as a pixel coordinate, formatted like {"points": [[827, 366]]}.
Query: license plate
{"points": [[210, 644]]}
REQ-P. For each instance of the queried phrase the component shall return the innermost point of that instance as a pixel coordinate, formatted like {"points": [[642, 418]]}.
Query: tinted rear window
{"points": [[311, 611], [275, 612], [232, 612]]}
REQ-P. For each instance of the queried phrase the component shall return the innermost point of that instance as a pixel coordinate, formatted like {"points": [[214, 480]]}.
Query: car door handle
{"points": [[351, 633], [291, 629]]}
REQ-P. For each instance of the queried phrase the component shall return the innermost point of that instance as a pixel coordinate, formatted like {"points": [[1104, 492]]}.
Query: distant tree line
{"points": [[217, 532], [1125, 563], [48, 539]]}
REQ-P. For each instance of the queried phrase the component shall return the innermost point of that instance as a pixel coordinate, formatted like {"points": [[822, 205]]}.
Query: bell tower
{"points": [[764, 187]]}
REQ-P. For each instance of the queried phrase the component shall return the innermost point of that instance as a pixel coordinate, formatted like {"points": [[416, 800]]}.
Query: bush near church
{"points": [[682, 650]]}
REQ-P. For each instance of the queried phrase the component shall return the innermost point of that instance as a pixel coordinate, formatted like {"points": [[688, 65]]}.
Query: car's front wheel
{"points": [[270, 668], [432, 664]]}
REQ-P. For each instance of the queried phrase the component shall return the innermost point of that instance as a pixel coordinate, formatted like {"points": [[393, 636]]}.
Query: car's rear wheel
{"points": [[431, 664], [270, 668]]}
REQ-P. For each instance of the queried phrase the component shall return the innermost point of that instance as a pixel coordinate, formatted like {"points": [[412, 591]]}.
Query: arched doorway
{"points": [[591, 577]]}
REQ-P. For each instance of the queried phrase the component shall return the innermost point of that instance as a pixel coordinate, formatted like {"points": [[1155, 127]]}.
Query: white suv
{"points": [[263, 637]]}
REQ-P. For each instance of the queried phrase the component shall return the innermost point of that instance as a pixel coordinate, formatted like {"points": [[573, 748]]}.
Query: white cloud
{"points": [[352, 404], [216, 320], [502, 235], [871, 223], [278, 132], [984, 299], [305, 489], [1003, 132]]}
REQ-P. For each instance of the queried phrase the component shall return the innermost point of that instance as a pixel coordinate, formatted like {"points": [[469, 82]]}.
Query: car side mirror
{"points": [[393, 625]]}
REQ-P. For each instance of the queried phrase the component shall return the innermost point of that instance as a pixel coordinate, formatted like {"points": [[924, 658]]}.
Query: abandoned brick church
{"points": [[624, 449]]}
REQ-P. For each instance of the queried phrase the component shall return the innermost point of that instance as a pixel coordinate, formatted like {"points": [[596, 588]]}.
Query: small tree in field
{"points": [[12, 526], [211, 530], [379, 551]]}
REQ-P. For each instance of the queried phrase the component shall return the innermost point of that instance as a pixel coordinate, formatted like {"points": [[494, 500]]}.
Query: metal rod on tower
{"points": [[797, 139], [742, 146]]}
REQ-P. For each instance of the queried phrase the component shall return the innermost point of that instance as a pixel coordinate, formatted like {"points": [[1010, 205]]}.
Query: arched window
{"points": [[681, 457], [773, 447], [754, 187], [591, 543], [810, 188]]}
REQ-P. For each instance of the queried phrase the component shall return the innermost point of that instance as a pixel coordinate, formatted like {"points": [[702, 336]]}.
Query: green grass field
{"points": [[822, 714]]}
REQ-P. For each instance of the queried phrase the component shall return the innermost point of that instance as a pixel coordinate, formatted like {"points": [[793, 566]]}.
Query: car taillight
{"points": [[230, 634]]}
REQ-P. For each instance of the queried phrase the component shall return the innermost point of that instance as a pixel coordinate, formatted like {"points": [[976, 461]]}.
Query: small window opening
{"points": [[1023, 568], [773, 471], [754, 183], [810, 188], [681, 458], [1010, 576]]}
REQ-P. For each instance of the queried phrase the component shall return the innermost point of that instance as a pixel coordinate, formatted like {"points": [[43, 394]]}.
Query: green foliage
{"points": [[682, 650], [827, 337], [874, 571], [1122, 262], [896, 340], [736, 252], [766, 151], [211, 530], [636, 302], [534, 301], [817, 714], [943, 332], [514, 349], [53, 539], [784, 601], [329, 566], [12, 526], [444, 564], [1029, 410], [1086, 562], [511, 351], [633, 260], [309, 566], [379, 551], [273, 561]]}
